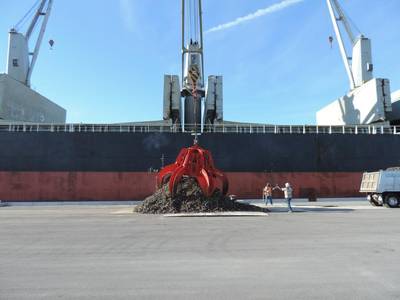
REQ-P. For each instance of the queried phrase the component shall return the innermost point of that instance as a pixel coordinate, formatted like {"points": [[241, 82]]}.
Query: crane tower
{"points": [[18, 102], [21, 61], [192, 61], [201, 104]]}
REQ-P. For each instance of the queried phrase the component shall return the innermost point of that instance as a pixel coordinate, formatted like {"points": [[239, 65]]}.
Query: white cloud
{"points": [[259, 13], [127, 14]]}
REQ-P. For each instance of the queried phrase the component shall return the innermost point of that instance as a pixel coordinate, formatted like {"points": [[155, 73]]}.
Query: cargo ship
{"points": [[53, 161], [110, 162]]}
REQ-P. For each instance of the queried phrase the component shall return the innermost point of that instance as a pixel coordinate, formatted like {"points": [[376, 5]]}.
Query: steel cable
{"points": [[26, 16]]}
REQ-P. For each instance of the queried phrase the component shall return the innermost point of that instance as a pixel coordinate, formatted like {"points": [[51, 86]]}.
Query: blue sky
{"points": [[110, 56]]}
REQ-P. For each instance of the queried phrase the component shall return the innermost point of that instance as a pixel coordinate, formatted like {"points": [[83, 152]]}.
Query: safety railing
{"points": [[219, 128]]}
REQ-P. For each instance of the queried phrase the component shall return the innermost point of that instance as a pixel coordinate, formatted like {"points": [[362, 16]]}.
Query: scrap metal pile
{"points": [[190, 185], [189, 198]]}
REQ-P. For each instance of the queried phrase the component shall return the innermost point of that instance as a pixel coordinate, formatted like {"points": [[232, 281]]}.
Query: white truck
{"points": [[382, 187]]}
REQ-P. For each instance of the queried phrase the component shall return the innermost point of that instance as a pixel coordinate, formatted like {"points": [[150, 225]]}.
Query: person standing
{"points": [[288, 190], [267, 194]]}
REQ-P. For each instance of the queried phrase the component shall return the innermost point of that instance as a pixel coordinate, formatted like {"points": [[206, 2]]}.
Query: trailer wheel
{"points": [[392, 201]]}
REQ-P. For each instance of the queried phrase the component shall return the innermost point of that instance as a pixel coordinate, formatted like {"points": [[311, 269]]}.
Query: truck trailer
{"points": [[382, 187]]}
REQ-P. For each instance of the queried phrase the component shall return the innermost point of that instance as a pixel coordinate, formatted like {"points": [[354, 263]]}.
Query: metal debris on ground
{"points": [[189, 198]]}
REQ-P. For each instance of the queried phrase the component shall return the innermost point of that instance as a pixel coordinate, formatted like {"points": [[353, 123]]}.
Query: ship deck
{"points": [[231, 127]]}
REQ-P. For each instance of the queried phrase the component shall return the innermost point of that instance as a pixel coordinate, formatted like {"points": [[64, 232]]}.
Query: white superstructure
{"points": [[19, 103]]}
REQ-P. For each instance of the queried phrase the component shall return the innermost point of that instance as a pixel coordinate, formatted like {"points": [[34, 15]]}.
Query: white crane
{"points": [[21, 61], [359, 66], [368, 100], [18, 102]]}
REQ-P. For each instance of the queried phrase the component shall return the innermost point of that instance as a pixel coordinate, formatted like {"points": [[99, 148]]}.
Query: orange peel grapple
{"points": [[197, 163]]}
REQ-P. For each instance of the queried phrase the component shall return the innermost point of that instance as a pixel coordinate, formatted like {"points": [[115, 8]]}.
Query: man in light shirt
{"points": [[288, 190]]}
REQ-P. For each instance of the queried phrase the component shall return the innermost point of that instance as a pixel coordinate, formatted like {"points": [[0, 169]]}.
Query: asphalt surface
{"points": [[351, 251]]}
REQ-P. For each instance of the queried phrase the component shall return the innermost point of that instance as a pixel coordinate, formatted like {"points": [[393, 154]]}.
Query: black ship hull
{"points": [[47, 166]]}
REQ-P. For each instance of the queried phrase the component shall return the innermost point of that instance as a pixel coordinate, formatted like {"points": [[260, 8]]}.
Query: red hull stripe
{"points": [[110, 186]]}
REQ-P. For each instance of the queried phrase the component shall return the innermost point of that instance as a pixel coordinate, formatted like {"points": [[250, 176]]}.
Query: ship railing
{"points": [[216, 128]]}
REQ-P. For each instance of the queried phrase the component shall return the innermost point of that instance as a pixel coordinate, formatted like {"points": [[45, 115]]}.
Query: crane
{"points": [[359, 66], [18, 102], [21, 61], [194, 92], [369, 99], [192, 61]]}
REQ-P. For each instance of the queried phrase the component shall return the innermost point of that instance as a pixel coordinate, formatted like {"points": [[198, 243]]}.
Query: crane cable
{"points": [[187, 23], [190, 20], [27, 16], [195, 14], [354, 25], [351, 22]]}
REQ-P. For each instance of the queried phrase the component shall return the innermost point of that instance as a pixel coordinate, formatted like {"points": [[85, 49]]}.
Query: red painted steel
{"points": [[59, 186], [329, 184], [109, 186], [194, 162]]}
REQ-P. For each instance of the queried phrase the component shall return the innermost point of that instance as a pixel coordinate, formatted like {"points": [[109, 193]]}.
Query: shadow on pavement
{"points": [[310, 210]]}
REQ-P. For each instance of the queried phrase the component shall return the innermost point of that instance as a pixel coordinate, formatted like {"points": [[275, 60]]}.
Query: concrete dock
{"points": [[335, 250]]}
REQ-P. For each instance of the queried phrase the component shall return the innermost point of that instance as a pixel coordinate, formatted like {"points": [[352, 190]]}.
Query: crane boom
{"points": [[46, 15], [343, 18], [334, 5], [35, 19]]}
